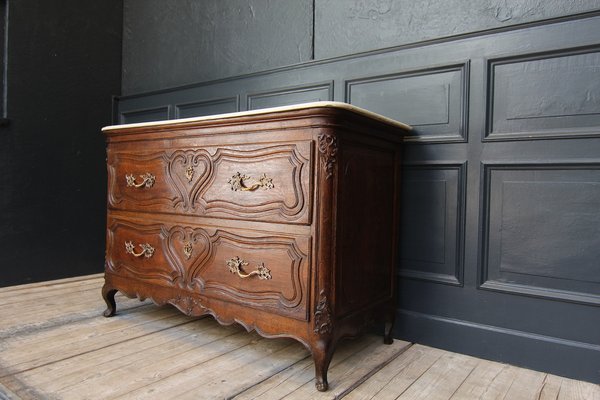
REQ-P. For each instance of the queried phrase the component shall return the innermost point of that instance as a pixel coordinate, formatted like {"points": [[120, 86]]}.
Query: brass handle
{"points": [[147, 250], [235, 265], [237, 183], [147, 180]]}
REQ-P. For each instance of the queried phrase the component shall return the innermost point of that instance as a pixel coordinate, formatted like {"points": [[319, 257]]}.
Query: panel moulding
{"points": [[145, 114], [570, 108], [297, 94], [457, 262], [448, 85], [529, 283], [220, 106]]}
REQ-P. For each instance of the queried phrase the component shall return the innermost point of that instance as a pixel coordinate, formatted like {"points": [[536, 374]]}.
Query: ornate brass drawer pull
{"points": [[147, 250], [147, 180], [235, 265], [237, 183]]}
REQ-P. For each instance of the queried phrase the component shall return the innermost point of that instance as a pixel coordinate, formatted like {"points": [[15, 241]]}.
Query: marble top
{"points": [[317, 104]]}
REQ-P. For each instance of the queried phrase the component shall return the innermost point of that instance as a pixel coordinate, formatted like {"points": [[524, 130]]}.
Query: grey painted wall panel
{"points": [[432, 221], [351, 26], [424, 211], [432, 101], [284, 97], [545, 96], [169, 43], [207, 107], [145, 115], [544, 230]]}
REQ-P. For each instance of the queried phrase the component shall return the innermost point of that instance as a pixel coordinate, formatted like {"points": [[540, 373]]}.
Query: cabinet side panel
{"points": [[365, 227]]}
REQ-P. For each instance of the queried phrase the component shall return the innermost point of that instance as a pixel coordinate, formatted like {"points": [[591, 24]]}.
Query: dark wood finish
{"points": [[190, 181], [327, 271]]}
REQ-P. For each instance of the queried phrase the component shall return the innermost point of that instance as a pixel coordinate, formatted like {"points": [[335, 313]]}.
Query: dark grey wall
{"points": [[346, 27], [170, 43], [63, 67]]}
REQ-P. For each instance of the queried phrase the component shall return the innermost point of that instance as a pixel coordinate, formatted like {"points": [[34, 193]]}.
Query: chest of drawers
{"points": [[284, 220]]}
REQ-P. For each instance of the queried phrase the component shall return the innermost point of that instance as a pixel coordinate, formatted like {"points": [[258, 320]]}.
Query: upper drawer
{"points": [[252, 182]]}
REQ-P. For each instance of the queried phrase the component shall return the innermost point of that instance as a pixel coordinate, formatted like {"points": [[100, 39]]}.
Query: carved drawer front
{"points": [[263, 182], [141, 252], [143, 182], [269, 183], [269, 272]]}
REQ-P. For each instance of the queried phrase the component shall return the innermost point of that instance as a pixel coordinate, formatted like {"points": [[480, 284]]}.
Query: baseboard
{"points": [[557, 356]]}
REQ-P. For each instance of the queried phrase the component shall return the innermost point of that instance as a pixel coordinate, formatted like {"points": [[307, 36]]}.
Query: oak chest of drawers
{"points": [[284, 220]]}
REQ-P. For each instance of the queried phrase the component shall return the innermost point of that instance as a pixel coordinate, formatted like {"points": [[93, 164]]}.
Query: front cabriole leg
{"points": [[322, 347], [322, 353], [108, 294]]}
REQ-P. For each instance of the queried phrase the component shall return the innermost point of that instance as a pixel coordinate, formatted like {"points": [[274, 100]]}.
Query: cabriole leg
{"points": [[390, 318], [322, 355], [108, 294]]}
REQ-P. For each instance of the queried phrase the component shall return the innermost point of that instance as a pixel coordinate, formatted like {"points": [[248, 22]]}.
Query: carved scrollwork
{"points": [[328, 149], [323, 323], [186, 172], [188, 305], [253, 194]]}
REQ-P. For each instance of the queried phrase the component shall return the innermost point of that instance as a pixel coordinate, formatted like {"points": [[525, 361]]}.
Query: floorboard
{"points": [[55, 344]]}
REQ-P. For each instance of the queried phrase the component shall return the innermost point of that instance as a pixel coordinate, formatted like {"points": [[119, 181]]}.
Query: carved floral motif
{"points": [[189, 173], [328, 149], [187, 304], [188, 248], [323, 315]]}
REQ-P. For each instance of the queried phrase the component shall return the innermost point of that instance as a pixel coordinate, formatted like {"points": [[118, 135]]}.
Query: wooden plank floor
{"points": [[54, 344]]}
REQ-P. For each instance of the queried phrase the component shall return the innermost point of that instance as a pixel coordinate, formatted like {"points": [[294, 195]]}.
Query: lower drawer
{"points": [[270, 272]]}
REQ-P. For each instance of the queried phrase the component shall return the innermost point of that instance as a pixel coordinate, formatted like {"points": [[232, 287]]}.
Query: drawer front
{"points": [[270, 272], [267, 271], [270, 183], [142, 181], [140, 252]]}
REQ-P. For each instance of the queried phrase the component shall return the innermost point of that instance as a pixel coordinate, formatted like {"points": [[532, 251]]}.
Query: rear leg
{"points": [[108, 294], [390, 318]]}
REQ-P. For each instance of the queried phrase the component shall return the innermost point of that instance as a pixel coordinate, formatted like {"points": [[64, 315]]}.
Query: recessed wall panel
{"points": [[431, 101], [545, 96], [144, 115], [543, 230], [210, 107], [432, 219], [289, 96]]}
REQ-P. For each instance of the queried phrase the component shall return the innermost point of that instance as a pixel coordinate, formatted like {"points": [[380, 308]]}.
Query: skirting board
{"points": [[543, 353]]}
